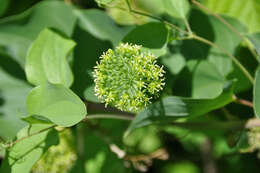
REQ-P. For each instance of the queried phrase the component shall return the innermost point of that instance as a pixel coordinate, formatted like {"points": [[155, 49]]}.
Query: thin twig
{"points": [[32, 134], [242, 101], [221, 19], [196, 37], [219, 125], [242, 68], [187, 25], [110, 116], [209, 163]]}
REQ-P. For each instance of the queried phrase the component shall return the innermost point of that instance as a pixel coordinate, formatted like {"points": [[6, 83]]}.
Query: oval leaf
{"points": [[56, 103], [172, 107], [23, 155], [152, 36], [207, 81], [177, 8], [46, 60], [19, 31]]}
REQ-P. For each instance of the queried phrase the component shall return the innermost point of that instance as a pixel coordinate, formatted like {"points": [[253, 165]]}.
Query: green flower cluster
{"points": [[128, 78]]}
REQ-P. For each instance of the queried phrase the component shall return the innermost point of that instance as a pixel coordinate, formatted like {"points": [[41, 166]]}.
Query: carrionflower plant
{"points": [[128, 78]]}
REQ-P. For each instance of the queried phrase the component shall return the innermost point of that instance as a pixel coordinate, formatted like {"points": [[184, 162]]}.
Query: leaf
{"points": [[228, 40], [13, 92], [22, 156], [246, 11], [100, 25], [152, 36], [177, 8], [4, 6], [255, 39], [36, 119], [172, 107], [207, 81], [174, 62], [19, 31], [103, 2], [256, 99], [56, 103], [46, 60]]}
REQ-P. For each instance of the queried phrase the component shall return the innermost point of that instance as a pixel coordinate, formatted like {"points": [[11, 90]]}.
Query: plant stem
{"points": [[33, 134], [196, 37], [242, 68], [187, 25], [110, 116], [221, 19], [242, 101]]}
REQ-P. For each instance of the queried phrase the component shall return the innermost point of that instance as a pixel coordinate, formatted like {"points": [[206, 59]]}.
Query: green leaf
{"points": [[177, 8], [174, 62], [255, 39], [4, 6], [13, 92], [103, 2], [246, 11], [228, 40], [23, 155], [46, 60], [207, 81], [100, 25], [256, 100], [36, 119], [56, 103], [19, 31], [172, 107], [152, 36]]}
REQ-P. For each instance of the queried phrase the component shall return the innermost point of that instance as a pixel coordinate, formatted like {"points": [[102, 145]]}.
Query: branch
{"points": [[218, 125], [242, 101], [196, 37], [25, 137], [96, 111], [242, 68], [221, 19]]}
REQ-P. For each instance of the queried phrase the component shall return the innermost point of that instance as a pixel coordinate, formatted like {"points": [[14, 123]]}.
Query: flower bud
{"points": [[128, 78]]}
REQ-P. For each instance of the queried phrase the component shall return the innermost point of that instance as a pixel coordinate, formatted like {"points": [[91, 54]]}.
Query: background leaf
{"points": [[100, 25], [255, 39], [207, 81], [257, 93], [19, 31], [22, 156], [246, 11], [56, 103], [152, 36], [46, 60], [13, 92], [177, 8], [172, 107], [4, 6]]}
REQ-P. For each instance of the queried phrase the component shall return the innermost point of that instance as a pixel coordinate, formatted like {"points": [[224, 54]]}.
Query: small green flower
{"points": [[128, 78]]}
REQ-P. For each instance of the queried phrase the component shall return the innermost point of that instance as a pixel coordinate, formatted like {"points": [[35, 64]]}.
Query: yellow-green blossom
{"points": [[128, 78]]}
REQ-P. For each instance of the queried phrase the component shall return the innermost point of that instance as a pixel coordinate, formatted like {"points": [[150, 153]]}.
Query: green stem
{"points": [[110, 116], [242, 68], [25, 137], [221, 19]]}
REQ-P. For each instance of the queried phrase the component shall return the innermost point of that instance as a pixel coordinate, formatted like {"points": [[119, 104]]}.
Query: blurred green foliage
{"points": [[200, 78]]}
